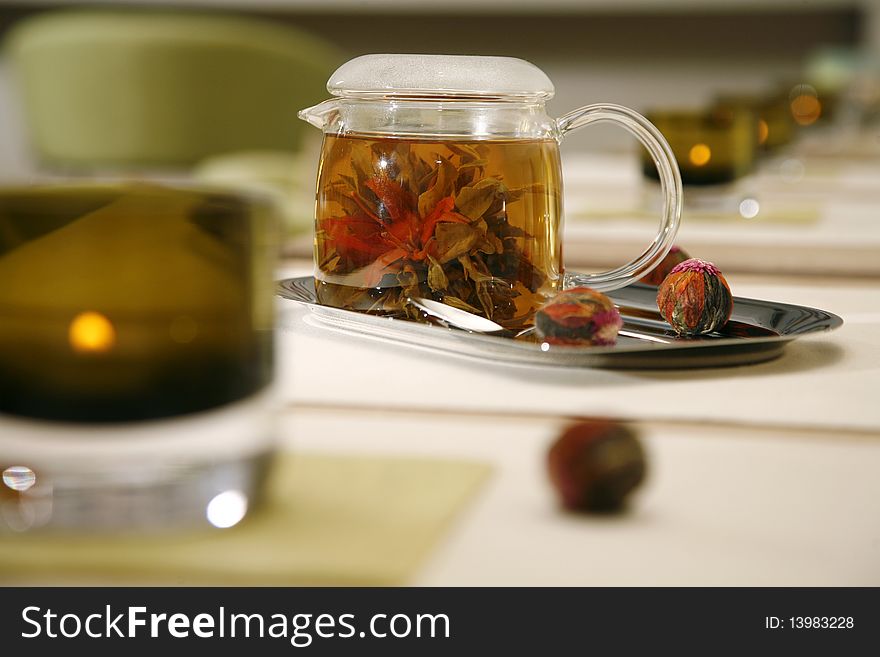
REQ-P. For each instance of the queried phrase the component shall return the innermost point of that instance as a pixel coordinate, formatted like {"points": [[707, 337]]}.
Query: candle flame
{"points": [[806, 109], [700, 154], [763, 131], [91, 332]]}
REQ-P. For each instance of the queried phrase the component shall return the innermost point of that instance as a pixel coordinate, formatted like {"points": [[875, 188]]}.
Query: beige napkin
{"points": [[328, 520]]}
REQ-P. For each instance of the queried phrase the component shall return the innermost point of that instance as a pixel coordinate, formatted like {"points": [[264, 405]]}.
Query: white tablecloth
{"points": [[829, 381]]}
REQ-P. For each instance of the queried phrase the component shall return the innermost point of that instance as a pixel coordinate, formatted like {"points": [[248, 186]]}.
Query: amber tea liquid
{"points": [[473, 224]]}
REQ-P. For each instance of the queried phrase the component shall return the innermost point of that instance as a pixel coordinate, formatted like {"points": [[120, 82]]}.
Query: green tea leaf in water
{"points": [[473, 201], [443, 186], [437, 279], [452, 240]]}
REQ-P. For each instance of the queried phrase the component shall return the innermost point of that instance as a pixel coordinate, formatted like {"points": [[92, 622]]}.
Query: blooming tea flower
{"points": [[578, 316], [595, 464], [695, 298]]}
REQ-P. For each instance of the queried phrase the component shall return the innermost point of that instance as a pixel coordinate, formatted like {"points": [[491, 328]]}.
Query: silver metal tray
{"points": [[757, 331]]}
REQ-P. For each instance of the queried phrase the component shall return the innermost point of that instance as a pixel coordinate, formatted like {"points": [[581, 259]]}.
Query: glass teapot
{"points": [[440, 178]]}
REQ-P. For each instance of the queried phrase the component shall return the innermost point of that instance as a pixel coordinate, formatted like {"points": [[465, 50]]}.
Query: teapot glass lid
{"points": [[464, 76]]}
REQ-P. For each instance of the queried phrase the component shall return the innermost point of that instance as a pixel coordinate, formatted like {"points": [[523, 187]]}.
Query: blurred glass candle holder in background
{"points": [[775, 127], [136, 355], [712, 146]]}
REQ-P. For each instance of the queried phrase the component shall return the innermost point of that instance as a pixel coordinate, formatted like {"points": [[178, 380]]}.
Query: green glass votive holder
{"points": [[775, 125], [712, 146], [136, 356]]}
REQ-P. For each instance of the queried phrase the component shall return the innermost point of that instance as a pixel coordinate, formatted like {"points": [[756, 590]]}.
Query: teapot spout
{"points": [[318, 114]]}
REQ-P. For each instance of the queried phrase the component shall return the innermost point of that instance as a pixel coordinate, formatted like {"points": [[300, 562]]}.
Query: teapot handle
{"points": [[670, 186]]}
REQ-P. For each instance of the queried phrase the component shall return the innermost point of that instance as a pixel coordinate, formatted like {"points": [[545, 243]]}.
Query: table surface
{"points": [[759, 475]]}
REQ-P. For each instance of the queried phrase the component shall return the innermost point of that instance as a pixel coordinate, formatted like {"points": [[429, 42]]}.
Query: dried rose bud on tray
{"points": [[595, 464], [655, 276], [474, 225], [579, 316], [695, 298]]}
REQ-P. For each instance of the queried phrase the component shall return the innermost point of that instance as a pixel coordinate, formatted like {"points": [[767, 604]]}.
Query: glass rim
{"points": [[442, 95]]}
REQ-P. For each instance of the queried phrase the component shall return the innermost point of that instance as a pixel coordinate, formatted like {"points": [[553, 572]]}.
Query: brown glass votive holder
{"points": [[712, 146]]}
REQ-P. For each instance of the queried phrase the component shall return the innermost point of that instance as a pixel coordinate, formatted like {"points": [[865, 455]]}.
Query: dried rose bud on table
{"points": [[595, 464], [655, 276], [578, 316], [695, 298]]}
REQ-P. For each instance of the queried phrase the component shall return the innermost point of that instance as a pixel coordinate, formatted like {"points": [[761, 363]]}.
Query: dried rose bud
{"points": [[694, 298], [578, 316], [594, 465], [655, 276]]}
